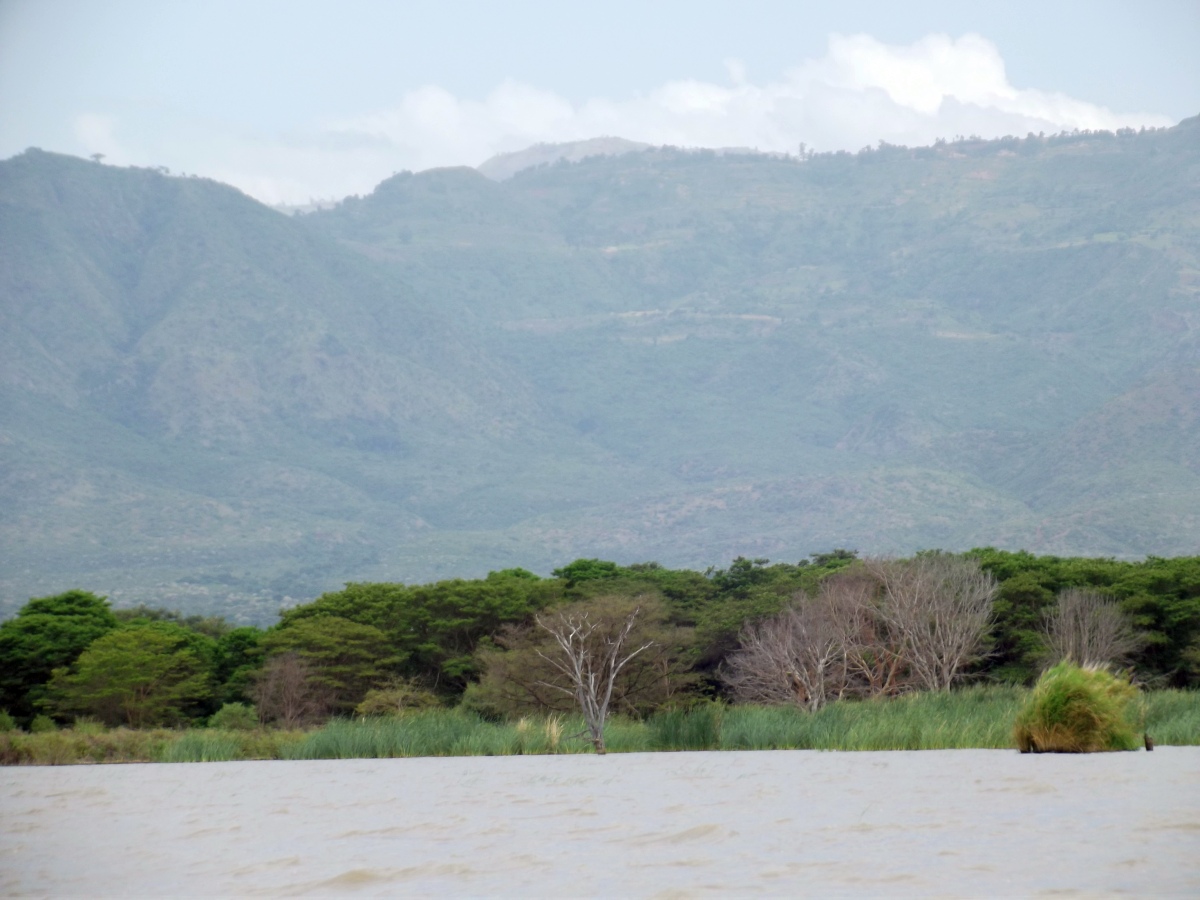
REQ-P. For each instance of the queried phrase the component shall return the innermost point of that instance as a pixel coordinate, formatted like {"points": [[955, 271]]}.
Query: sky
{"points": [[308, 99]]}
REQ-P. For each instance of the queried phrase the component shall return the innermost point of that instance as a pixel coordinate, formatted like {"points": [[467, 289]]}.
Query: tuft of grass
{"points": [[202, 746], [977, 717], [697, 728], [1173, 717], [552, 729], [1076, 709]]}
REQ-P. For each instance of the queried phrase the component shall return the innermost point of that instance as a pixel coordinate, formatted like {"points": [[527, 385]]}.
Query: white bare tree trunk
{"points": [[591, 660]]}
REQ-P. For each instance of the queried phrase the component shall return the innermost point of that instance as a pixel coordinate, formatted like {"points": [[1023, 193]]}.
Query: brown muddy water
{"points": [[955, 823]]}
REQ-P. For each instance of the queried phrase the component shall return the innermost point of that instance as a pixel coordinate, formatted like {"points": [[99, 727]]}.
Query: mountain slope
{"points": [[662, 354]]}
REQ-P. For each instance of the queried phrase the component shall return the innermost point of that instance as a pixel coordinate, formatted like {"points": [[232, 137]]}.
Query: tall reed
{"points": [[977, 717]]}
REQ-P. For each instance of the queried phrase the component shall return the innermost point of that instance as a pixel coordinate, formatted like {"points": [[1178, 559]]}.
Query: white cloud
{"points": [[860, 92]]}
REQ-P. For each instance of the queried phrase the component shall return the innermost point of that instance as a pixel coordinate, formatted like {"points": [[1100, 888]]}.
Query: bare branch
{"points": [[591, 662], [940, 606], [1089, 629]]}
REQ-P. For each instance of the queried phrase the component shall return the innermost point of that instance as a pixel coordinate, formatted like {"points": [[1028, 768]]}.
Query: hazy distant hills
{"points": [[660, 354], [506, 165]]}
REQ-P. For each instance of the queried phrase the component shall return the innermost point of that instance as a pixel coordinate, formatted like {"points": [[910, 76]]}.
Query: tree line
{"points": [[827, 627]]}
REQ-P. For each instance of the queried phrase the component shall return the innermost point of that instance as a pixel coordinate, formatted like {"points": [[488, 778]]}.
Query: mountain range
{"points": [[642, 354]]}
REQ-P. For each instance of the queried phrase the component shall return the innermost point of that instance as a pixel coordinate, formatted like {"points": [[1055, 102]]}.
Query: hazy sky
{"points": [[306, 98]]}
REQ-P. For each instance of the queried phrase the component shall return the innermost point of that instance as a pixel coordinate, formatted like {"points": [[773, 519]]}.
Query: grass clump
{"points": [[1173, 717], [1076, 709], [695, 728], [202, 746]]}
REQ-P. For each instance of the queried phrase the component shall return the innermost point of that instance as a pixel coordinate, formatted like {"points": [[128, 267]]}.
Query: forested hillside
{"points": [[664, 355]]}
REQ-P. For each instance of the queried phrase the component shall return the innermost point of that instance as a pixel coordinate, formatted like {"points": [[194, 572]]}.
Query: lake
{"points": [[931, 823]]}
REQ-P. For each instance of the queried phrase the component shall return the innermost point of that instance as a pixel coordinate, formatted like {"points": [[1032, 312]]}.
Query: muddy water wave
{"points": [[931, 823]]}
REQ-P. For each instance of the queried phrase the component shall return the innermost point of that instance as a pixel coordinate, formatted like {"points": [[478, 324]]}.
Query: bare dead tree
{"points": [[941, 605], [1089, 629], [874, 650], [794, 657], [287, 693], [590, 657]]}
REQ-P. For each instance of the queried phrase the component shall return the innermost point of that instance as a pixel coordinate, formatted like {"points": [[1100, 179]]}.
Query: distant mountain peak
{"points": [[505, 165]]}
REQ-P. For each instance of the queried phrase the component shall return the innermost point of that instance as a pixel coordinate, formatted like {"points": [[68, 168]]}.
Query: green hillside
{"points": [[666, 355]]}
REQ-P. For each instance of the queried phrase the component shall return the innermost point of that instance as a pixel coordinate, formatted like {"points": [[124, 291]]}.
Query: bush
{"points": [[7, 722], [397, 697], [1074, 709], [42, 724], [234, 717]]}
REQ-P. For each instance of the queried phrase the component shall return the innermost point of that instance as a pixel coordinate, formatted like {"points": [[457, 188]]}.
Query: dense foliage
{"points": [[381, 647]]}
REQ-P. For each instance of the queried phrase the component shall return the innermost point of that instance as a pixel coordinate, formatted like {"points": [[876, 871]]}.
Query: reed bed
{"points": [[976, 717]]}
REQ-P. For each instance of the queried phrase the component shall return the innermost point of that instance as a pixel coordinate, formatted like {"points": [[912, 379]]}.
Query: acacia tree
{"points": [[941, 606], [48, 633], [1089, 629], [518, 676], [348, 658], [137, 676], [591, 652], [795, 657]]}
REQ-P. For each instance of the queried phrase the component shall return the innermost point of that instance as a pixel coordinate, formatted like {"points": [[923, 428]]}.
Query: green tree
{"points": [[347, 658], [239, 656], [138, 676], [48, 633], [586, 570], [435, 628]]}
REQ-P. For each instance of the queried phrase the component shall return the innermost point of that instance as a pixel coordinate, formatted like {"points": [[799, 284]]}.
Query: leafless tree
{"points": [[591, 654], [794, 657], [517, 677], [874, 649], [1089, 629], [941, 606], [286, 692]]}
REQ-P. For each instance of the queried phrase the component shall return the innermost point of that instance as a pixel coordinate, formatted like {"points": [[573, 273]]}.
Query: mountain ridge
{"points": [[673, 354]]}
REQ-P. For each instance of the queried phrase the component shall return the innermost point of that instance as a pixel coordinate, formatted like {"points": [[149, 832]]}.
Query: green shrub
{"points": [[399, 696], [42, 724], [234, 717], [1074, 709], [88, 725], [7, 722]]}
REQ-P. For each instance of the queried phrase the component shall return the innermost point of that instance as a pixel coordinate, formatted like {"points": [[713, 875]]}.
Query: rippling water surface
{"points": [[932, 823]]}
